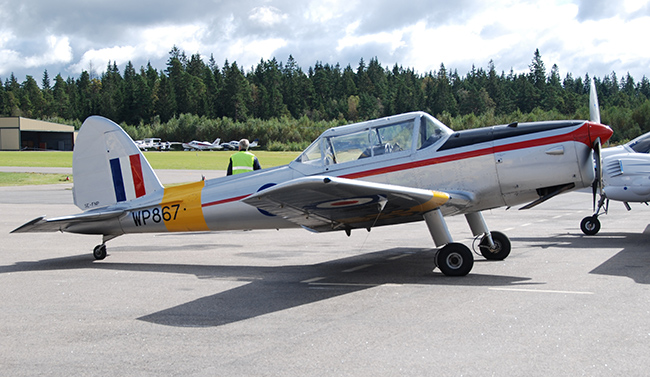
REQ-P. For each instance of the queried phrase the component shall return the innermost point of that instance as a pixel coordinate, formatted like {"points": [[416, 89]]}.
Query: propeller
{"points": [[594, 116], [594, 110], [597, 185]]}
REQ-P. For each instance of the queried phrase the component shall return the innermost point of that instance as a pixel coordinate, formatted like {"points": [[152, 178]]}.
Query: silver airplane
{"points": [[393, 170]]}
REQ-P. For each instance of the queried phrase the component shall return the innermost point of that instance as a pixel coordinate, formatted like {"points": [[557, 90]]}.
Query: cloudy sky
{"points": [[597, 37]]}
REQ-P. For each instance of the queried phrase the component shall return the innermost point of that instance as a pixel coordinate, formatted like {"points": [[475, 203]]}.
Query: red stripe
{"points": [[344, 203], [581, 135], [223, 201], [136, 172]]}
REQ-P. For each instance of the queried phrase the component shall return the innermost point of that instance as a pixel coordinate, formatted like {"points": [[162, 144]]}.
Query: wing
{"points": [[41, 224], [328, 203]]}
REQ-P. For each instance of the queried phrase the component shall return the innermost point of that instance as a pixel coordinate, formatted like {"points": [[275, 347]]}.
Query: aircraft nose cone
{"points": [[597, 130]]}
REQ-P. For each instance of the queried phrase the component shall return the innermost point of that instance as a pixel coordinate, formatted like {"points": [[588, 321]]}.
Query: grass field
{"points": [[22, 179], [216, 160]]}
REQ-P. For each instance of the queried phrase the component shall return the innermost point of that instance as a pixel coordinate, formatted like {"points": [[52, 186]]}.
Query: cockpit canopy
{"points": [[641, 144], [403, 133]]}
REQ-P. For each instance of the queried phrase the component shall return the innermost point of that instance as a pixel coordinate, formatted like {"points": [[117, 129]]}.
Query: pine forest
{"points": [[286, 107]]}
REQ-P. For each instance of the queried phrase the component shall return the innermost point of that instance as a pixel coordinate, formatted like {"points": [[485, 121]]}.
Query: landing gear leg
{"points": [[493, 245], [500, 248], [454, 259]]}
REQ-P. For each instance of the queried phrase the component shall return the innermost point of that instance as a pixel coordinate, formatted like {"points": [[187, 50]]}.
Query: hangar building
{"points": [[17, 133]]}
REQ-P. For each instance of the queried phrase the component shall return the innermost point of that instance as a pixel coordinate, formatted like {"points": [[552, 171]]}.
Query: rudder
{"points": [[108, 167]]}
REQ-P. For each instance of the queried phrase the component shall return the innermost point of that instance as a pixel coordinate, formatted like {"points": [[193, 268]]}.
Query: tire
{"points": [[99, 252], [590, 225], [455, 259], [501, 247]]}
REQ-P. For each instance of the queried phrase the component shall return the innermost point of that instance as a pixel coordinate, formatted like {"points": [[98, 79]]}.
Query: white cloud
{"points": [[327, 10], [393, 39], [267, 16], [56, 50], [631, 6], [421, 35], [250, 52], [8, 60], [59, 51], [96, 60], [159, 40]]}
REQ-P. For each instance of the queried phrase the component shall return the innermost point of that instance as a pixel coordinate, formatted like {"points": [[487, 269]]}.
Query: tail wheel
{"points": [[99, 252], [501, 247], [455, 259], [590, 225]]}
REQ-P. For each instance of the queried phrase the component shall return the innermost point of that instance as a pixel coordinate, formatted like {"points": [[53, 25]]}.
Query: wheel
{"points": [[501, 247], [590, 225], [455, 259], [99, 252]]}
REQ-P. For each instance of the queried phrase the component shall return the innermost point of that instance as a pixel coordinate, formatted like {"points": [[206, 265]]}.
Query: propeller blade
{"points": [[597, 185], [594, 109]]}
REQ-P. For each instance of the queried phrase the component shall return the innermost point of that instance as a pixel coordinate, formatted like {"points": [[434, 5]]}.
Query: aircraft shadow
{"points": [[272, 289], [633, 261]]}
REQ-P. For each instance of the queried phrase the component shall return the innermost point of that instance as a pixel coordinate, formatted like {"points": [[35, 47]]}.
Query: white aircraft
{"points": [[392, 170], [153, 143], [203, 145], [624, 177]]}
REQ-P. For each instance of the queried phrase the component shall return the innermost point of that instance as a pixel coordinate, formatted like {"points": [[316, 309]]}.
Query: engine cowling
{"points": [[626, 177]]}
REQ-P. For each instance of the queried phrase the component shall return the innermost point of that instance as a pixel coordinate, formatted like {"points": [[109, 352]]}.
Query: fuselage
{"points": [[484, 168]]}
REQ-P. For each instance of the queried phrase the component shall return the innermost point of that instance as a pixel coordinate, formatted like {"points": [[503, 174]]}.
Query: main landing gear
{"points": [[456, 259], [99, 252]]}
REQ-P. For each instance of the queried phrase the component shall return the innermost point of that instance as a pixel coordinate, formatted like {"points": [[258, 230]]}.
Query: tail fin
{"points": [[108, 167], [216, 141]]}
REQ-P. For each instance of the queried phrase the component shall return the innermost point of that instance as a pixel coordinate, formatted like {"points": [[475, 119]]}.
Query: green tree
{"points": [[236, 96], [61, 99], [4, 110], [552, 100], [267, 79], [164, 99], [46, 89], [111, 93], [130, 109], [32, 102], [295, 89]]}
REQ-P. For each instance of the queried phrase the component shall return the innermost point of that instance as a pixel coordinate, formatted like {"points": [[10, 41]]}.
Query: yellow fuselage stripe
{"points": [[189, 216]]}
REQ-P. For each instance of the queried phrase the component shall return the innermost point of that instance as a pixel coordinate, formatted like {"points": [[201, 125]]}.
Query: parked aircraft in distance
{"points": [[153, 143], [624, 177], [393, 170], [203, 145], [234, 145]]}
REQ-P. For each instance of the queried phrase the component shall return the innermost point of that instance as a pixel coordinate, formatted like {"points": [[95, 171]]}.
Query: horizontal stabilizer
{"points": [[56, 224]]}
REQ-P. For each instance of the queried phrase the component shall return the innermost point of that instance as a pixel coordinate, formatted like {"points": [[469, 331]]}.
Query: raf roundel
{"points": [[344, 203]]}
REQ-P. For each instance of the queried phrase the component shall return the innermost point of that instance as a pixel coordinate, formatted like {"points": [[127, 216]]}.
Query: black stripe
{"points": [[487, 134]]}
